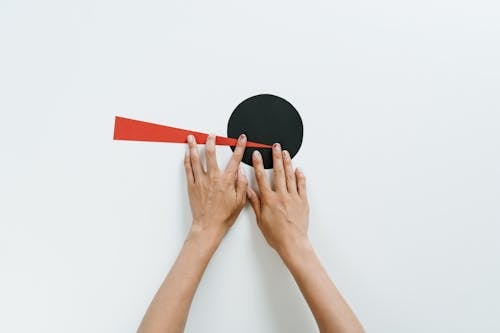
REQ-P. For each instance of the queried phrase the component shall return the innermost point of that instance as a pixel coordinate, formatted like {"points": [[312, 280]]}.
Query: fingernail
{"points": [[277, 147], [256, 155], [286, 154], [242, 137], [190, 138]]}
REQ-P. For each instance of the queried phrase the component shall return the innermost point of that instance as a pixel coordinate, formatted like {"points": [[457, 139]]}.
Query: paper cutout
{"points": [[267, 118], [136, 130]]}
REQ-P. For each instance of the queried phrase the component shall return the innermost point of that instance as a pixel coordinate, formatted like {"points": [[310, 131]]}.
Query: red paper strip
{"points": [[136, 130]]}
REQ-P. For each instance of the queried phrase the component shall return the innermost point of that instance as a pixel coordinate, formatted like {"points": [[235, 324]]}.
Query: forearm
{"points": [[169, 308], [329, 308]]}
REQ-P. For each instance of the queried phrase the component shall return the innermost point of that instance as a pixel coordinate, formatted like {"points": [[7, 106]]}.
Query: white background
{"points": [[401, 110]]}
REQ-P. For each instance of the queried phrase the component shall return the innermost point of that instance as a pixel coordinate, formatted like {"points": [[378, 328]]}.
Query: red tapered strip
{"points": [[136, 130]]}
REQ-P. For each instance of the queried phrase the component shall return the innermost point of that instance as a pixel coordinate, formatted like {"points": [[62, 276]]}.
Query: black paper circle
{"points": [[266, 119]]}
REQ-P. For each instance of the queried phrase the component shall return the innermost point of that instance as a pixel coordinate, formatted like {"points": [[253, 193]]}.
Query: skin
{"points": [[282, 215], [216, 198], [282, 212]]}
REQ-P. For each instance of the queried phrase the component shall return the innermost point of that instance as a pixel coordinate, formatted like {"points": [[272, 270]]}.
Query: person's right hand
{"points": [[216, 196], [283, 212], [282, 215]]}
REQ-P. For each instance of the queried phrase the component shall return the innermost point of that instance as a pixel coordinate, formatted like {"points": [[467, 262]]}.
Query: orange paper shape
{"points": [[136, 130]]}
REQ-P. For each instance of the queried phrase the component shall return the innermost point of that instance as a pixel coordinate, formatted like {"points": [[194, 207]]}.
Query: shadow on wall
{"points": [[284, 301]]}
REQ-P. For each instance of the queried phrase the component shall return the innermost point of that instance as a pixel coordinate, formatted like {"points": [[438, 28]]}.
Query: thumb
{"points": [[241, 186], [254, 199]]}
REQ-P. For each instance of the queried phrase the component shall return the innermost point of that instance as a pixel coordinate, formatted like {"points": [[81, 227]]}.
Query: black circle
{"points": [[266, 119]]}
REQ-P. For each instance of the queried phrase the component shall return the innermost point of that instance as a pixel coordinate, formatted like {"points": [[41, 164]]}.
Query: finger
{"points": [[291, 184], [241, 186], [260, 174], [235, 160], [254, 202], [194, 155], [278, 169], [188, 169], [301, 183], [212, 166]]}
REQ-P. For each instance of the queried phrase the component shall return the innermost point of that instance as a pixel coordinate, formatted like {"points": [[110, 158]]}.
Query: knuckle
{"points": [[227, 179], [213, 177], [260, 175], [242, 200], [266, 197]]}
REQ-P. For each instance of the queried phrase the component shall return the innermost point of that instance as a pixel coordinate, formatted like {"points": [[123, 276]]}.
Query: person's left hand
{"points": [[216, 196]]}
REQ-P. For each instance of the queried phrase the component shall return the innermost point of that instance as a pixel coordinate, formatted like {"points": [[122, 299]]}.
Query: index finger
{"points": [[235, 160], [260, 174], [210, 154], [278, 168]]}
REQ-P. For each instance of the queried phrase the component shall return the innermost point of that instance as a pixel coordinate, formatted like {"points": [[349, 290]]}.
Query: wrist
{"points": [[296, 248], [209, 238]]}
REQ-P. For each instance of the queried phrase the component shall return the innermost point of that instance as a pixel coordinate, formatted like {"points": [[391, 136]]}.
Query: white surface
{"points": [[401, 107]]}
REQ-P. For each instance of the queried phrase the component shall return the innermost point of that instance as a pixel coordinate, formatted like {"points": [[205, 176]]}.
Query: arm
{"points": [[216, 198], [282, 215]]}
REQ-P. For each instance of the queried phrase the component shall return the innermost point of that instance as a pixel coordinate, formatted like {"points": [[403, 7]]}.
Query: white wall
{"points": [[401, 108]]}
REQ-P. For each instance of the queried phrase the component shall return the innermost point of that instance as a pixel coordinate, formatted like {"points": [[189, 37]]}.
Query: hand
{"points": [[283, 213], [216, 197]]}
